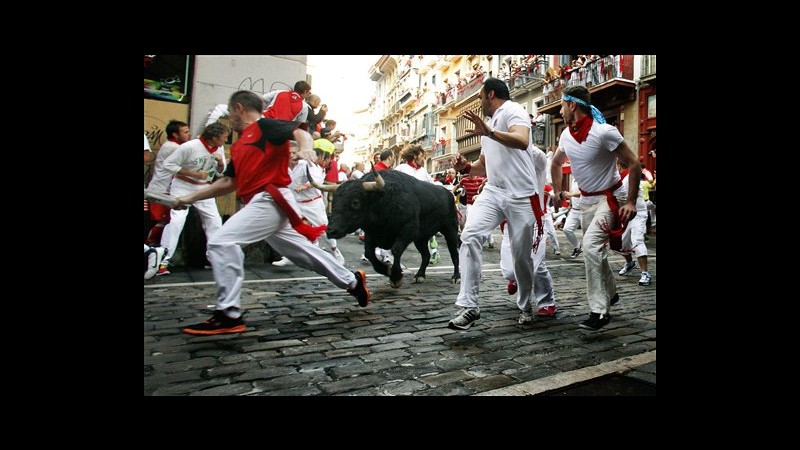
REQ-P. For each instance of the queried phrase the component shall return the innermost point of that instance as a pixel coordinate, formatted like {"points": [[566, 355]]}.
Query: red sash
{"points": [[310, 232]]}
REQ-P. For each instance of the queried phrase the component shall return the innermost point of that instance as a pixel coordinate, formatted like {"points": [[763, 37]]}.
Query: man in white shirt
{"points": [[593, 148], [510, 193], [194, 165]]}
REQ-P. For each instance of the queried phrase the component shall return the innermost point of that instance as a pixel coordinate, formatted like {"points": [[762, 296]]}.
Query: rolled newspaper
{"points": [[164, 199]]}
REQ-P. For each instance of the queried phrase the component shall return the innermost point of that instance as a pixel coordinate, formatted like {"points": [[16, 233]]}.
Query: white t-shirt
{"points": [[300, 176], [193, 155], [540, 163], [421, 174], [510, 171], [594, 163], [147, 144], [641, 207], [162, 177], [576, 201], [356, 174]]}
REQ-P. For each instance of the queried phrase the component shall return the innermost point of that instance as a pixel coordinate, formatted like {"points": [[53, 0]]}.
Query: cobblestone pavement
{"points": [[308, 337]]}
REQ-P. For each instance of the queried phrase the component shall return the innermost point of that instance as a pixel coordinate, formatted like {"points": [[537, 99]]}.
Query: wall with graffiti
{"points": [[216, 77]]}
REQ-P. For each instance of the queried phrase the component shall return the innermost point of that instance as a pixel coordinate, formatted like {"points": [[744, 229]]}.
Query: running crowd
{"points": [[286, 148]]}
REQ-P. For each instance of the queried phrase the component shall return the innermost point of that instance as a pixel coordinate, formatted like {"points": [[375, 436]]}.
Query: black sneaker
{"points": [[219, 323], [614, 299], [576, 252], [595, 321], [360, 292]]}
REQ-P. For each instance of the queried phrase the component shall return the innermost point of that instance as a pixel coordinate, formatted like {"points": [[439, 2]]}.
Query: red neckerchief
{"points": [[624, 174], [414, 166], [580, 129], [175, 141], [209, 148]]}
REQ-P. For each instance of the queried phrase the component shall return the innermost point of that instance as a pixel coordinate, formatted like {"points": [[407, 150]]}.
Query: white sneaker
{"points": [[627, 267], [645, 279], [364, 258], [154, 257], [281, 262], [338, 255], [525, 317]]}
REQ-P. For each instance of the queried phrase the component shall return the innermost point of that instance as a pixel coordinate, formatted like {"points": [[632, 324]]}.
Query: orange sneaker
{"points": [[360, 292]]}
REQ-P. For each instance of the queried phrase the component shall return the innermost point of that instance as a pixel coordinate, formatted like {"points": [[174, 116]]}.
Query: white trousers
{"points": [[600, 283], [550, 230], [207, 209], [314, 211], [571, 224], [542, 280], [633, 237], [258, 220], [489, 210]]}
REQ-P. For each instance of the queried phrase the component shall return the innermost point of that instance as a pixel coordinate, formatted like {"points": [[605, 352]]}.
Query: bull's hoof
{"points": [[419, 278], [455, 280], [396, 284]]}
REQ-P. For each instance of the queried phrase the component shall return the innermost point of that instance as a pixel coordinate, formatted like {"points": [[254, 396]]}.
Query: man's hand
{"points": [[481, 128], [458, 162], [180, 203]]}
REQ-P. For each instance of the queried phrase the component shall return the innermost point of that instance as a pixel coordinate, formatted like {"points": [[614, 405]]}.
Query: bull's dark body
{"points": [[406, 210]]}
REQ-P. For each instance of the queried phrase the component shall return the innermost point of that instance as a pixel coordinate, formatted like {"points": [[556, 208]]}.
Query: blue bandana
{"points": [[596, 115]]}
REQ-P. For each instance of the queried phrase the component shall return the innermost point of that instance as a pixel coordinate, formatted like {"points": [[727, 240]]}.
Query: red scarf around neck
{"points": [[413, 166], [580, 129]]}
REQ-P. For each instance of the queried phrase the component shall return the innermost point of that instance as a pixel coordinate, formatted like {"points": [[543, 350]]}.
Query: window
{"points": [[651, 107]]}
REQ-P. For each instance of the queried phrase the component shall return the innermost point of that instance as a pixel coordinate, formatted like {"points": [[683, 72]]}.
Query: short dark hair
{"points": [[499, 87], [248, 100], [385, 155], [301, 87], [174, 126]]}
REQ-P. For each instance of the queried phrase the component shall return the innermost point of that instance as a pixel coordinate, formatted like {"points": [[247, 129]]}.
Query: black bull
{"points": [[394, 210]]}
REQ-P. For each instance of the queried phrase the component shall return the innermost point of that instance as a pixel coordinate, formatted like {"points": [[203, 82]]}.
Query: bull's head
{"points": [[350, 206]]}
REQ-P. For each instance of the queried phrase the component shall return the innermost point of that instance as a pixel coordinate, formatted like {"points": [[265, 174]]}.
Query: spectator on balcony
{"points": [[607, 205], [510, 193]]}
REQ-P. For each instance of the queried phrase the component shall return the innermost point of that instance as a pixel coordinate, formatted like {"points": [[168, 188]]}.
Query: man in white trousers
{"points": [[258, 172], [506, 159], [607, 205], [194, 165], [542, 280]]}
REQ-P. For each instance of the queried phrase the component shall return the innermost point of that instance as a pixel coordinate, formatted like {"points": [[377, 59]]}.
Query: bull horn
{"points": [[321, 187], [376, 185]]}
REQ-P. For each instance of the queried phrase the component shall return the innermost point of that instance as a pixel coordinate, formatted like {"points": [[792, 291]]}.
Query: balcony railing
{"points": [[592, 74], [470, 88]]}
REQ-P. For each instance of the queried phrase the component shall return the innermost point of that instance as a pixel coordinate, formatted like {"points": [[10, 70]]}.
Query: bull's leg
{"points": [[369, 252], [422, 246], [396, 277], [453, 242]]}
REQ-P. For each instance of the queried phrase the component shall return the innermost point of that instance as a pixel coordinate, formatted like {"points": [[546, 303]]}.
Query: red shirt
{"points": [[287, 106], [261, 156], [333, 172], [471, 188], [381, 166]]}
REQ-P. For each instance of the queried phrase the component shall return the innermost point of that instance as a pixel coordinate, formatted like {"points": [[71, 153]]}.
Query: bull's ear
{"points": [[355, 204]]}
